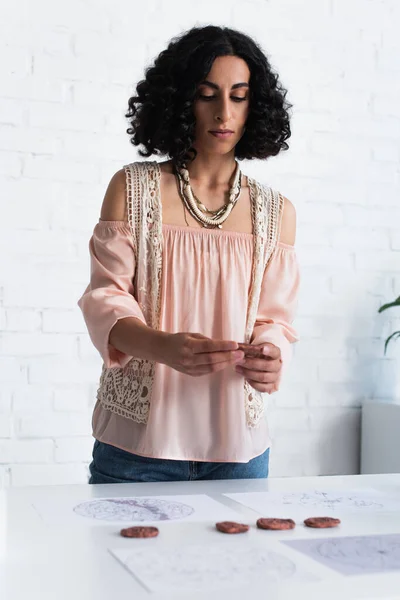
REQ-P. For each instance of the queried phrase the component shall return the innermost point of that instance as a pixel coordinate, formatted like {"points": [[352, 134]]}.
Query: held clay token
{"points": [[139, 532], [251, 351], [322, 522], [231, 527], [276, 524]]}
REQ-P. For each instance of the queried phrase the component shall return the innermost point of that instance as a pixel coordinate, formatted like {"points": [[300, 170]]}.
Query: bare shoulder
{"points": [[288, 223], [114, 203]]}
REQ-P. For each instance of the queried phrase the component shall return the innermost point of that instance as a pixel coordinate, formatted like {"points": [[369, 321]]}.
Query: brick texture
{"points": [[67, 72]]}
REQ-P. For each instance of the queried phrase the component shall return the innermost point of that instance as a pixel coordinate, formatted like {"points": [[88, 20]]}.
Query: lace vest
{"points": [[127, 391]]}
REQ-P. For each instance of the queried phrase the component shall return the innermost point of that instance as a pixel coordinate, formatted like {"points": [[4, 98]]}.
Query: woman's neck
{"points": [[212, 171]]}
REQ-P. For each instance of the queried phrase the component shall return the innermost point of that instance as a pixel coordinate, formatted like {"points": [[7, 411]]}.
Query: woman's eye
{"points": [[234, 98]]}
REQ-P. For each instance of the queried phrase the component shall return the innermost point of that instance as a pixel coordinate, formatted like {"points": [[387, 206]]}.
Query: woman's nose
{"points": [[223, 113]]}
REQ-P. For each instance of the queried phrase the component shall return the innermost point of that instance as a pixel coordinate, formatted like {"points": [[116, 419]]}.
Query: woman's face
{"points": [[222, 104]]}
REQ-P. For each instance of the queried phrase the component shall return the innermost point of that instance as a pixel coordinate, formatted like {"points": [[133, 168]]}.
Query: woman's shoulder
{"points": [[288, 223], [143, 164], [114, 207], [287, 215]]}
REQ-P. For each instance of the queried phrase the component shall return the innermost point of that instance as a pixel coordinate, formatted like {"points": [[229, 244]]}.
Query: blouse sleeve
{"points": [[109, 295], [278, 304]]}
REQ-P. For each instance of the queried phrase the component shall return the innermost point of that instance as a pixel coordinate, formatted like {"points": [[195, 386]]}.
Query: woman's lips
{"points": [[222, 134]]}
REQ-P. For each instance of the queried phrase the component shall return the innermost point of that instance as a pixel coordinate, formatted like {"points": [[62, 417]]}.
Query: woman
{"points": [[189, 259]]}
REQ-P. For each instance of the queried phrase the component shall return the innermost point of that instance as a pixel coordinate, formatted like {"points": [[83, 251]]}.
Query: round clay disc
{"points": [[276, 524], [140, 532], [251, 351], [322, 522], [231, 527]]}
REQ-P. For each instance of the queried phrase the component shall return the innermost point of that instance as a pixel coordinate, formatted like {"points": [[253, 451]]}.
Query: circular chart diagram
{"points": [[133, 509], [373, 553], [193, 568]]}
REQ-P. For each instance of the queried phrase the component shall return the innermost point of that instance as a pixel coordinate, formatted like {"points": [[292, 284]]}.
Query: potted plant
{"points": [[380, 425], [396, 334]]}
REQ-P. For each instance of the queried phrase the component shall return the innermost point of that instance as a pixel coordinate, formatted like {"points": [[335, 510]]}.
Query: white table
{"points": [[39, 561]]}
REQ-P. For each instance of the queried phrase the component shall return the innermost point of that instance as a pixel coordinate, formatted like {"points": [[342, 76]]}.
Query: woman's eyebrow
{"points": [[216, 87]]}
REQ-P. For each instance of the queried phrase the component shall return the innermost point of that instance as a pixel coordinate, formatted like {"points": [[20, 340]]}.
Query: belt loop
{"points": [[192, 470]]}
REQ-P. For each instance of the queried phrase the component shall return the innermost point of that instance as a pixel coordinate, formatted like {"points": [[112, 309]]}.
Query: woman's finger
{"points": [[265, 388], [204, 369], [258, 376], [272, 351], [261, 364], [214, 358]]}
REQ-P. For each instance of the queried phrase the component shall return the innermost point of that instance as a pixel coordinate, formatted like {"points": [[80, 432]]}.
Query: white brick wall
{"points": [[66, 73]]}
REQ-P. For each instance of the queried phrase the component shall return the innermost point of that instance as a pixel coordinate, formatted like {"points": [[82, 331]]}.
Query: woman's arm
{"points": [[113, 316], [278, 302], [130, 336]]}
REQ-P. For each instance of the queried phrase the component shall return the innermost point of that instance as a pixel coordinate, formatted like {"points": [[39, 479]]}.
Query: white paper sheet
{"points": [[317, 503], [356, 555], [131, 510], [209, 567]]}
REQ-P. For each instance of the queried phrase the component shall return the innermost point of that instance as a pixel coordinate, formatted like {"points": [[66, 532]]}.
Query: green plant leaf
{"points": [[389, 305], [396, 333]]}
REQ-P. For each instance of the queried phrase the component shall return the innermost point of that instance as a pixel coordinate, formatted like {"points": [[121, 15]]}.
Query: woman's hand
{"points": [[262, 373], [196, 355]]}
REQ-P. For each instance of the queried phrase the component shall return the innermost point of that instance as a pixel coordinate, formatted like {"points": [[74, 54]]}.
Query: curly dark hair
{"points": [[161, 113]]}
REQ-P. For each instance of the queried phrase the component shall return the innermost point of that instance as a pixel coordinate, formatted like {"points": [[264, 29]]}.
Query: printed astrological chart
{"points": [[133, 509], [299, 504], [70, 509], [208, 568], [353, 555]]}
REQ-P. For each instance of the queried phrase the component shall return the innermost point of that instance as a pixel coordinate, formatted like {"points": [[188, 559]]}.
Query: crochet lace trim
{"points": [[266, 206]]}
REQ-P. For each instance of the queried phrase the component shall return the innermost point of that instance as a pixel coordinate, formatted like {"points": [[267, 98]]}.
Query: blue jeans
{"points": [[112, 465]]}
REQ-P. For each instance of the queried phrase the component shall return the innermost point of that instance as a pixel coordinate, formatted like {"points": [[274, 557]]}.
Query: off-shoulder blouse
{"points": [[206, 276]]}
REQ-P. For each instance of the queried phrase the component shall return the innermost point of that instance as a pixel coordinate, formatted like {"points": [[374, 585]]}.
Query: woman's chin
{"points": [[217, 149]]}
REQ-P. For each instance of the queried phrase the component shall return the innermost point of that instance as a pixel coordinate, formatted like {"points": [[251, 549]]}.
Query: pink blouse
{"points": [[205, 289]]}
